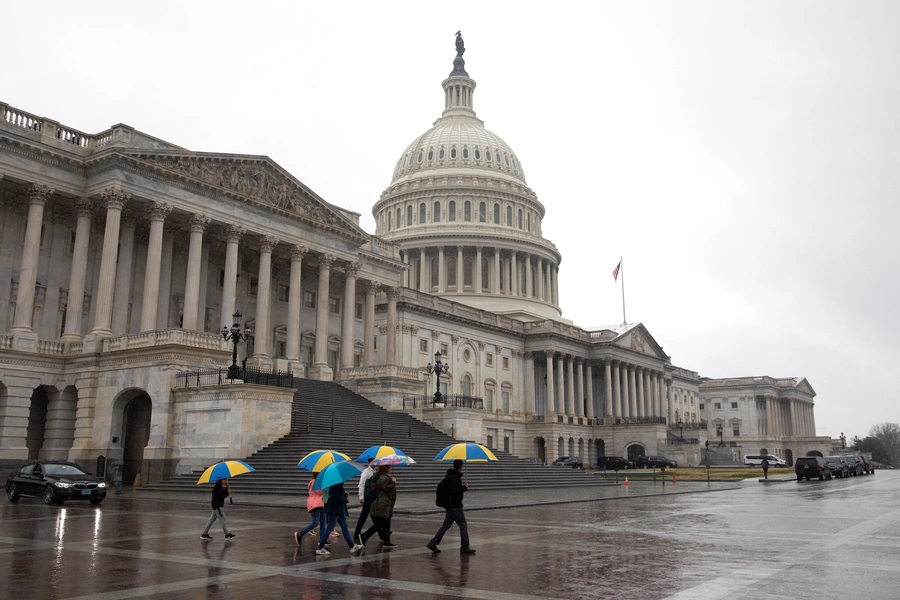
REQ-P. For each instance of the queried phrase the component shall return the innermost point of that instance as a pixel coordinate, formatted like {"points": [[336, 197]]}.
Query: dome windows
{"points": [[452, 152], [482, 212], [409, 215], [430, 154], [441, 154], [506, 158], [422, 213], [437, 212], [465, 153], [420, 157], [451, 211], [496, 214], [477, 154], [509, 216], [467, 211], [488, 155]]}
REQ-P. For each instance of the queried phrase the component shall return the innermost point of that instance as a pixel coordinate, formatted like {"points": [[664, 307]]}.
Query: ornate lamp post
{"points": [[680, 426], [437, 368], [235, 335]]}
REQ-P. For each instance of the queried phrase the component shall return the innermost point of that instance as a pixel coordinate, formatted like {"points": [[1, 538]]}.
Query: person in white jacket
{"points": [[364, 513]]}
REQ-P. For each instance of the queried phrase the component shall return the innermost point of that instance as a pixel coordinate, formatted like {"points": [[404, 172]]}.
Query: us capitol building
{"points": [[122, 256]]}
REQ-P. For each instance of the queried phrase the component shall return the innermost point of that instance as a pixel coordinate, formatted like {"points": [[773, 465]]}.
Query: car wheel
{"points": [[47, 495], [11, 492], [95, 500]]}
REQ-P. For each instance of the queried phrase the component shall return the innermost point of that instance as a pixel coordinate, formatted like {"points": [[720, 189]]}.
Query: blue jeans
{"points": [[318, 520], [332, 521], [453, 515]]}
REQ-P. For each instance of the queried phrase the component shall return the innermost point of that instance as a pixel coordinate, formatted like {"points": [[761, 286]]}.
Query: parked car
{"points": [[838, 466], [812, 466], [614, 463], [54, 482], [756, 460], [658, 462], [568, 461], [854, 465]]}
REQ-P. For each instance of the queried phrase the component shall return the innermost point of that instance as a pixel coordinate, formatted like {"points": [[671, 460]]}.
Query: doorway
{"points": [[136, 434]]}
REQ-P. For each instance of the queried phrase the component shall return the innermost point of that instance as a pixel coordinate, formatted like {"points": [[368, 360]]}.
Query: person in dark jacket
{"points": [[765, 467], [336, 513], [382, 509], [453, 511], [219, 493]]}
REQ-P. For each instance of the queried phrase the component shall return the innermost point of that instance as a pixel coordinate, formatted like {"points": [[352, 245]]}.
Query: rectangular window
{"points": [[490, 359], [737, 431], [734, 405], [221, 278], [72, 243], [309, 299], [506, 362], [443, 349], [701, 406], [334, 305], [359, 311], [281, 349], [718, 428], [423, 345], [357, 360], [254, 285], [506, 401], [717, 406], [489, 399], [282, 292], [332, 358]]}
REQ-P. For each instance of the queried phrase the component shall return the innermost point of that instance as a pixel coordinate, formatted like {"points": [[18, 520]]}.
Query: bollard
{"points": [[118, 484]]}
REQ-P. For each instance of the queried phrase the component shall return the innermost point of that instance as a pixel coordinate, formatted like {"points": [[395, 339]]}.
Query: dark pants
{"points": [[453, 515], [382, 526], [766, 472], [363, 515]]}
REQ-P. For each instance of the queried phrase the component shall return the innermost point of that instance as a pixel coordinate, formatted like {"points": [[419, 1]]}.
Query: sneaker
{"points": [[389, 546], [322, 552], [229, 537], [205, 537], [360, 541], [297, 537], [356, 548], [432, 547], [467, 550]]}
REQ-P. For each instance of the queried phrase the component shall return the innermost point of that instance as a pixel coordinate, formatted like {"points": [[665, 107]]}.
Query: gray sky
{"points": [[742, 157]]}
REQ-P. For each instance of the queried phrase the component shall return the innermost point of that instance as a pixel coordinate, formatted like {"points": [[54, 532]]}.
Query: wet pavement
{"points": [[776, 539]]}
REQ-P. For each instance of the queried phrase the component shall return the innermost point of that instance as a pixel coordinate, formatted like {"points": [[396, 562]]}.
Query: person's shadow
{"points": [[214, 567]]}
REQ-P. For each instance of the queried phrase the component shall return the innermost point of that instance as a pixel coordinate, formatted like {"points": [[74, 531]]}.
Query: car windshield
{"points": [[63, 470], [833, 459]]}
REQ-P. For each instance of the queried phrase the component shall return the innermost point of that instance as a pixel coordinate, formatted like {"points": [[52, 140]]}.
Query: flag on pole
{"points": [[616, 271]]}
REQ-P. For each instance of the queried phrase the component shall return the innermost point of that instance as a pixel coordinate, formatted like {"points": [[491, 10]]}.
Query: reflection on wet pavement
{"points": [[788, 539]]}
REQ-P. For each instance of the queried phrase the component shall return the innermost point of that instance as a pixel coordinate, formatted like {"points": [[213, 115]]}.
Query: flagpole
{"points": [[621, 262]]}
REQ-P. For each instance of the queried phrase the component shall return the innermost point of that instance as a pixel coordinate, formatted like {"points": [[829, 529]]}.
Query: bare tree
{"points": [[889, 435]]}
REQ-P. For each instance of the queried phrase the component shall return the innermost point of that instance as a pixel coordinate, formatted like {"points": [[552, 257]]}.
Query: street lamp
{"points": [[680, 426], [437, 368], [721, 437], [235, 335]]}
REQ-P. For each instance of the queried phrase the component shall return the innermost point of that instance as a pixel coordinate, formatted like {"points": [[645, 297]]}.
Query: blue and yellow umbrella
{"points": [[337, 472], [466, 452], [317, 460], [224, 470], [378, 452]]}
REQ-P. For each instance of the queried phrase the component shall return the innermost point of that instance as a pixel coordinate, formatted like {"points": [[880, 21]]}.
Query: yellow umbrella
{"points": [[317, 460], [224, 470]]}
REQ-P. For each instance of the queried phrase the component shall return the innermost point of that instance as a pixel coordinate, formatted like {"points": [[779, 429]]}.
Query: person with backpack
{"points": [[364, 478], [382, 507], [336, 514], [450, 495], [219, 493], [315, 506]]}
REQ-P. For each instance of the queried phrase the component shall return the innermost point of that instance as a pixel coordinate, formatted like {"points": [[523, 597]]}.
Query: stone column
{"points": [[654, 387], [233, 237], [478, 274], [579, 386], [565, 401], [14, 418], [617, 389], [124, 269], [647, 392], [192, 280], [632, 392], [589, 380], [295, 298], [670, 405], [459, 269], [166, 265], [405, 255], [540, 279], [529, 281], [607, 383], [79, 270], [369, 324], [262, 351], [347, 321], [115, 200], [391, 344], [59, 432], [37, 197], [514, 286], [529, 383], [770, 418], [442, 272], [554, 284], [792, 420], [158, 213], [639, 392], [320, 369], [551, 400], [422, 260], [496, 274]]}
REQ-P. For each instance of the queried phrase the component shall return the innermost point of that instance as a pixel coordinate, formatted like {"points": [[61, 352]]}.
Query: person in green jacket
{"points": [[383, 507]]}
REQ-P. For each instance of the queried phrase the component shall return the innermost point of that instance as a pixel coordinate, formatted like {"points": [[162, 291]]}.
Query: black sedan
{"points": [[54, 482]]}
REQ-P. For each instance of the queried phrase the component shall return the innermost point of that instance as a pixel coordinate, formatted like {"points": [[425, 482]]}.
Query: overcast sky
{"points": [[742, 157]]}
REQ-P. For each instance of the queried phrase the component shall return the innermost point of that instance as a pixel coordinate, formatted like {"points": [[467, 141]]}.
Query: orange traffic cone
{"points": [[626, 481], [674, 480]]}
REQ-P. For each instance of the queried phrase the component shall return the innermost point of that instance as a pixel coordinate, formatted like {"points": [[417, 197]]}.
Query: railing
{"points": [[447, 401], [686, 441], [617, 421], [537, 418], [691, 425], [51, 347], [410, 373], [6, 342], [72, 136], [207, 377], [146, 339], [20, 118]]}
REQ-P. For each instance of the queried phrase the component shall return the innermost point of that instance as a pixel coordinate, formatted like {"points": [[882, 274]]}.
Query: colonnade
{"points": [[508, 272], [789, 417]]}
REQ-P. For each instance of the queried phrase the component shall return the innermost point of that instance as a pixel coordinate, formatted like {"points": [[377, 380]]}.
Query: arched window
{"points": [[399, 217], [466, 385], [506, 159], [496, 214], [467, 211], [452, 152], [520, 219], [441, 153], [422, 212], [409, 213], [509, 216], [390, 219], [528, 222], [465, 153], [477, 154], [451, 211], [482, 212], [430, 153], [488, 154], [435, 273], [484, 274], [436, 215], [467, 272], [420, 157], [451, 272]]}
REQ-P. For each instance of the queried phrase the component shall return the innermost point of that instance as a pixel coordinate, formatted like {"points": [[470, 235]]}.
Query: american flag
{"points": [[616, 271]]}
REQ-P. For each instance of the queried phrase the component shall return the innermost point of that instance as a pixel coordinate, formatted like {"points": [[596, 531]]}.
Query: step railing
{"points": [[256, 376], [619, 421], [446, 401]]}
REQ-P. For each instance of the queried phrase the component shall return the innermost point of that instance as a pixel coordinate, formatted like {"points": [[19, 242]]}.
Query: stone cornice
{"points": [[479, 192]]}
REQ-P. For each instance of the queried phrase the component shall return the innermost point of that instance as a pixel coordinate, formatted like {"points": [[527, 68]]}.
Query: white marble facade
{"points": [[122, 256]]}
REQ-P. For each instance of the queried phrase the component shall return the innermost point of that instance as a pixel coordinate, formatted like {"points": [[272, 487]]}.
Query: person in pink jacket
{"points": [[316, 508]]}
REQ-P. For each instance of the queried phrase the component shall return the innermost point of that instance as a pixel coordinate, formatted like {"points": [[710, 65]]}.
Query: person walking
{"points": [[366, 506], [382, 508], [765, 466], [219, 493], [315, 506], [336, 514], [453, 511]]}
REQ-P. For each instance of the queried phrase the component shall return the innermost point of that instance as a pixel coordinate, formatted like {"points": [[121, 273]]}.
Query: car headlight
{"points": [[101, 485], [63, 485]]}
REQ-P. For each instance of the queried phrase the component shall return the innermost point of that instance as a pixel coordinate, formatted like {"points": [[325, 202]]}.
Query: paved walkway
{"points": [[791, 540]]}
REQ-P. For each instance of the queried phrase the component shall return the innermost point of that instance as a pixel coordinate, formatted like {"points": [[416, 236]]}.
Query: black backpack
{"points": [[442, 495], [371, 489]]}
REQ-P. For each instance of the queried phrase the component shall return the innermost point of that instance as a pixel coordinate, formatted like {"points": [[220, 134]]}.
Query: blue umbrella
{"points": [[337, 472]]}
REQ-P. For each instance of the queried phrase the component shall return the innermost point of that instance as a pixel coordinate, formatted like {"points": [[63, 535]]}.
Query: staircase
{"points": [[326, 415]]}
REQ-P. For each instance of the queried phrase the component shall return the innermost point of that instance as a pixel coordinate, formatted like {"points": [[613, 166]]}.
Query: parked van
{"points": [[756, 460]]}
